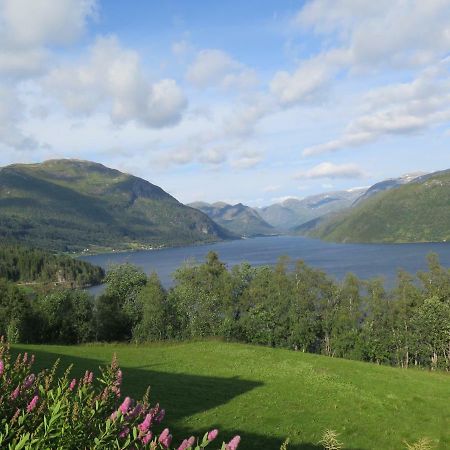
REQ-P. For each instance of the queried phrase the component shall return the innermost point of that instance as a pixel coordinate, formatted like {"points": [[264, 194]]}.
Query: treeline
{"points": [[300, 308], [30, 265]]}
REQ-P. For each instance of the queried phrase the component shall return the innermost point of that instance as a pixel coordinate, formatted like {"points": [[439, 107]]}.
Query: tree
{"points": [[432, 328], [66, 317], [156, 320]]}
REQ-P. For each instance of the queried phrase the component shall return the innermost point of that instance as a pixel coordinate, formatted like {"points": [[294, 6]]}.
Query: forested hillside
{"points": [[30, 265], [73, 205], [415, 212]]}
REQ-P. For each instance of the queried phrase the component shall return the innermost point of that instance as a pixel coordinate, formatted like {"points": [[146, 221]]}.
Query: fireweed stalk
{"points": [[40, 410]]}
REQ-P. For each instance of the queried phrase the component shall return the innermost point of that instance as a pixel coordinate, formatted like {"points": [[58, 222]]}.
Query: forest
{"points": [[22, 264], [297, 307]]}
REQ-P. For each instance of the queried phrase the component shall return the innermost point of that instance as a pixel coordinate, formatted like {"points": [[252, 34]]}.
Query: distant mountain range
{"points": [[72, 205], [292, 212], [414, 210], [238, 219]]}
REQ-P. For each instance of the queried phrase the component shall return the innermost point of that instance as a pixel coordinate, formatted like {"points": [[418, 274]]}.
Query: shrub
{"points": [[45, 411]]}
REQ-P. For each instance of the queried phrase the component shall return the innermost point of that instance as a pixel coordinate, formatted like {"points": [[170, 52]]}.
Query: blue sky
{"points": [[242, 101]]}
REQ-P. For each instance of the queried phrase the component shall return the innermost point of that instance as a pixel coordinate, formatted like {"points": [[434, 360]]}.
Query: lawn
{"points": [[266, 395]]}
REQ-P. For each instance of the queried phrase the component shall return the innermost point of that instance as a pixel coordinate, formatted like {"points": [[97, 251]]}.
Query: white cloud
{"points": [[385, 32], [401, 109], [213, 67], [42, 22], [242, 120], [10, 114], [112, 78], [304, 84], [365, 36], [246, 160], [331, 170]]}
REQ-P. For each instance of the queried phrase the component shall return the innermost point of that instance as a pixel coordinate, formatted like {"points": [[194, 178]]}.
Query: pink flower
{"points": [[29, 380], [125, 406], [73, 384], [90, 377], [113, 416], [159, 418], [135, 412], [212, 434], [119, 377], [145, 425], [32, 404], [147, 438], [233, 444], [15, 393], [124, 432], [25, 358], [165, 438], [187, 443], [2, 367]]}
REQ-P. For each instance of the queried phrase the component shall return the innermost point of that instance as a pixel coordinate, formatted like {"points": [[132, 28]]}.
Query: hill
{"points": [[266, 394], [418, 211], [239, 219], [33, 266], [71, 205], [293, 212], [386, 185]]}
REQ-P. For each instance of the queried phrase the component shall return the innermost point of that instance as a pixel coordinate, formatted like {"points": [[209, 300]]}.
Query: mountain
{"points": [[293, 212], [239, 219], [71, 205], [388, 184], [415, 211]]}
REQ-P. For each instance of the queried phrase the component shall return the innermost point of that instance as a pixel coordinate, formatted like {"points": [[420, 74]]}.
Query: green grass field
{"points": [[267, 394]]}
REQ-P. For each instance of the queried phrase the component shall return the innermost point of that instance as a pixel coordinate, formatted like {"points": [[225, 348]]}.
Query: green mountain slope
{"points": [[415, 212], [238, 219], [72, 205]]}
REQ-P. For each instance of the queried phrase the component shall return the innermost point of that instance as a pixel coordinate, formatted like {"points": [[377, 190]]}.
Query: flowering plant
{"points": [[45, 411]]}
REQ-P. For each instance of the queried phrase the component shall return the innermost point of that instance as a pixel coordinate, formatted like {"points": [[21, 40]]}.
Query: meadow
{"points": [[266, 394]]}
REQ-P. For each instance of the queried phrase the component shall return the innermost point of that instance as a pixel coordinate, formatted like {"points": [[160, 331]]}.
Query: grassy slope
{"points": [[267, 394], [71, 205], [415, 212]]}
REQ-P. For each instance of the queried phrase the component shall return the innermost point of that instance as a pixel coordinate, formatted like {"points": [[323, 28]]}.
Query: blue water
{"points": [[364, 260]]}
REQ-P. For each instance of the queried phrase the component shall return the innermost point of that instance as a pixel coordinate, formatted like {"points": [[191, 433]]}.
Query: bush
{"points": [[45, 411]]}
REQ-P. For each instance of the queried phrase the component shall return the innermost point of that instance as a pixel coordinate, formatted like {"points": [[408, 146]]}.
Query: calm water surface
{"points": [[364, 260]]}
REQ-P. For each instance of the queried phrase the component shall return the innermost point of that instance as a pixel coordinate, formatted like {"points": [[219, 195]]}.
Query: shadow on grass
{"points": [[182, 395]]}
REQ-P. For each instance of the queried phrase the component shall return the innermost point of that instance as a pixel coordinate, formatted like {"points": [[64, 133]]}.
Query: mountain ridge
{"points": [[416, 211], [239, 219], [72, 205]]}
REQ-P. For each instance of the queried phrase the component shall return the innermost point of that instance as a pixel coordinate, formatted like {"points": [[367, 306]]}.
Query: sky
{"points": [[240, 101]]}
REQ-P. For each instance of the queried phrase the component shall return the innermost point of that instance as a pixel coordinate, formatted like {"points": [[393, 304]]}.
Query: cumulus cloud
{"points": [[331, 170], [304, 84], [385, 32], [42, 22], [366, 36], [213, 67], [28, 29], [112, 77], [400, 109]]}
